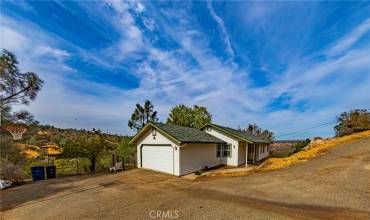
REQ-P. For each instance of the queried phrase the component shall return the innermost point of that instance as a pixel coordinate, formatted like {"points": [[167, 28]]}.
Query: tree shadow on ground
{"points": [[44, 190]]}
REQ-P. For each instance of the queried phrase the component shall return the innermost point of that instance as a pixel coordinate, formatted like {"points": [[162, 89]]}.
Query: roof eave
{"points": [[203, 142], [217, 127], [134, 139]]}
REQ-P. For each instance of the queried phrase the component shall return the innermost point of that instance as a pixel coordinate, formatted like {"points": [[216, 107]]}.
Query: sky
{"points": [[290, 67]]}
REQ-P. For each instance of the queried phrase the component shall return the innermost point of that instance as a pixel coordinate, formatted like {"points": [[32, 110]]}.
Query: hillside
{"points": [[313, 151], [43, 139]]}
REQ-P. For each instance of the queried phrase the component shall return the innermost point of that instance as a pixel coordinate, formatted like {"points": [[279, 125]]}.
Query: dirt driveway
{"points": [[332, 186]]}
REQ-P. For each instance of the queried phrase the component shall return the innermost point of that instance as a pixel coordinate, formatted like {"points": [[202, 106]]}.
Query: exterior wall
{"points": [[233, 160], [243, 150], [265, 153], [195, 157], [147, 138]]}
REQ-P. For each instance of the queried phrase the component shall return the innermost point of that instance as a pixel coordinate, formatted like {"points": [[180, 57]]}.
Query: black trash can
{"points": [[38, 173], [50, 172]]}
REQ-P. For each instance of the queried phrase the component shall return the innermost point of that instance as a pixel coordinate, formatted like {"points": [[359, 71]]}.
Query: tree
{"points": [[20, 117], [11, 160], [191, 117], [88, 145], [356, 120], [257, 131], [16, 87], [142, 115], [124, 149]]}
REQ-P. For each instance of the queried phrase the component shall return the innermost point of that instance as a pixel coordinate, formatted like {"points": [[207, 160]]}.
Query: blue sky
{"points": [[285, 66]]}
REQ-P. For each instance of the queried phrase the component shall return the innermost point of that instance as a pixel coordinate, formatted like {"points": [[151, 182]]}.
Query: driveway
{"points": [[332, 186]]}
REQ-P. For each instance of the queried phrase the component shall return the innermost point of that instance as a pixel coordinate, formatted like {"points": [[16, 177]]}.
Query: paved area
{"points": [[332, 186]]}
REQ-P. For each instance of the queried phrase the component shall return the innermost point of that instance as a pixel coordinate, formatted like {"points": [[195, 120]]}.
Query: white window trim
{"points": [[224, 149], [219, 151]]}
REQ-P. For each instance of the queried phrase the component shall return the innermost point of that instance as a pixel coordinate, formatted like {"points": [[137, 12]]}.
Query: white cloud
{"points": [[131, 36], [190, 74], [11, 39], [221, 24], [149, 23], [139, 7], [347, 41], [60, 55]]}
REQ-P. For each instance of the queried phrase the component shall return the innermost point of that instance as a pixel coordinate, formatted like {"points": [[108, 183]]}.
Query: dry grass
{"points": [[315, 150], [230, 174]]}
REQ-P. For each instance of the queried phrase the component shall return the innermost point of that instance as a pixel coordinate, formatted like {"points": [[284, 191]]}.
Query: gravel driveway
{"points": [[331, 186]]}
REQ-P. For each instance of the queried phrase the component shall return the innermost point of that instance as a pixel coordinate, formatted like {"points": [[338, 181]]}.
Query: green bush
{"points": [[30, 163], [198, 172], [71, 166], [300, 145]]}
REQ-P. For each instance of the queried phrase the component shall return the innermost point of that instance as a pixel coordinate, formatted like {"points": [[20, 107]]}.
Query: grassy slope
{"points": [[302, 156]]}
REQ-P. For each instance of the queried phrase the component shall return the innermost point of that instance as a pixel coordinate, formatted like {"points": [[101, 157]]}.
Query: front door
{"points": [[251, 153], [242, 153]]}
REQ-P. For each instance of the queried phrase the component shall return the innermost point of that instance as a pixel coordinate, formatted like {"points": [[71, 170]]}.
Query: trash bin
{"points": [[38, 173], [50, 172]]}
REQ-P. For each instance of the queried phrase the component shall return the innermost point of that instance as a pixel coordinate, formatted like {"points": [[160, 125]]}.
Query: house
{"points": [[241, 147], [175, 149], [180, 150]]}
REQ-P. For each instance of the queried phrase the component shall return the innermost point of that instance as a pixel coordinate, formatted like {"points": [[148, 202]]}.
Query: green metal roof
{"points": [[180, 134], [239, 134]]}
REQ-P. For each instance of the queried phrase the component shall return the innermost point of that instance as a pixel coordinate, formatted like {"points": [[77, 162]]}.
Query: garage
{"points": [[158, 157], [173, 149]]}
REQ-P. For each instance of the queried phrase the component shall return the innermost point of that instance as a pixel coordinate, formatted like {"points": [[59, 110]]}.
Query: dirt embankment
{"points": [[313, 151]]}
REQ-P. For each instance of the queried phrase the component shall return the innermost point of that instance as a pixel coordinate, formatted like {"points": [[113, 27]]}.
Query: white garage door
{"points": [[158, 157]]}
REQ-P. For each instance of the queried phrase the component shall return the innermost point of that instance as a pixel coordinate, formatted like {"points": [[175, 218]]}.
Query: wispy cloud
{"points": [[347, 41], [221, 24], [176, 61]]}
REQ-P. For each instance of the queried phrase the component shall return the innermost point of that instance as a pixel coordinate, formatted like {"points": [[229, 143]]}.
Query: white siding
{"points": [[195, 157], [264, 154], [233, 161], [160, 139]]}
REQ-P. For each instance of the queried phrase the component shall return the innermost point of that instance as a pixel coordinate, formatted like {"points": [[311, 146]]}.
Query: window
{"points": [[226, 151], [219, 149]]}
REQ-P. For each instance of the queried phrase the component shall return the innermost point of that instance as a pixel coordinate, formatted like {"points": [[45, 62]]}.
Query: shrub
{"points": [[198, 172], [300, 145], [10, 171], [351, 122]]}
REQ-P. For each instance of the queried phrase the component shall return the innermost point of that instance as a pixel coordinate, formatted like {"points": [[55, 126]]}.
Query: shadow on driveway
{"points": [[16, 196]]}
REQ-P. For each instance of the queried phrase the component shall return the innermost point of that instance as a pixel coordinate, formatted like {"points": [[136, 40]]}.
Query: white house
{"points": [[241, 147], [180, 150]]}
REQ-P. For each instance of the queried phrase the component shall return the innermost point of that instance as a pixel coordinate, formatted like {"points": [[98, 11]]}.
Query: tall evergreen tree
{"points": [[142, 115], [16, 87]]}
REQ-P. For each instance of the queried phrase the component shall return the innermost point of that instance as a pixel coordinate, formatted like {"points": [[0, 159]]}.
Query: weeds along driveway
{"points": [[331, 186]]}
